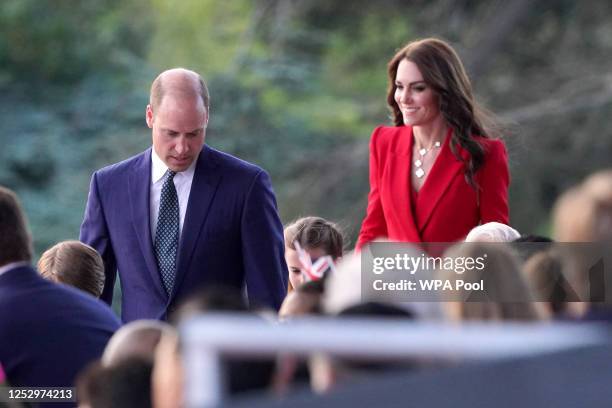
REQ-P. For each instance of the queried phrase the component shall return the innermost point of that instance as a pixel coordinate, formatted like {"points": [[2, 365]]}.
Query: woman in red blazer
{"points": [[436, 174]]}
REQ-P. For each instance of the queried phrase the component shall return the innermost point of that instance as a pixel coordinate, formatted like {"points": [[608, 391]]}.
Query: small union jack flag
{"points": [[316, 270]]}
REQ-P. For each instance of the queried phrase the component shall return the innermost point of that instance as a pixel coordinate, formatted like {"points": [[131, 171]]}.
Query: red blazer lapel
{"points": [[444, 170], [400, 185]]}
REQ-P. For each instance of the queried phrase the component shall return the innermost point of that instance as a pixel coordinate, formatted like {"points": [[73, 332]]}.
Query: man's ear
{"points": [[149, 116]]}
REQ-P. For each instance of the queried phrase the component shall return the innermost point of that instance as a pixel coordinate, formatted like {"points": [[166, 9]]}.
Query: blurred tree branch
{"points": [[499, 26], [582, 95]]}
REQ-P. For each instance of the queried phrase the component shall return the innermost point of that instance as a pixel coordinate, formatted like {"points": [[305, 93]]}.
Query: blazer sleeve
{"points": [[263, 247], [494, 182], [374, 224], [94, 232]]}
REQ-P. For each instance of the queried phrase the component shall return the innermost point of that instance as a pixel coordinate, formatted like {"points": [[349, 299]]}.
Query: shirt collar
{"points": [[159, 168], [12, 265]]}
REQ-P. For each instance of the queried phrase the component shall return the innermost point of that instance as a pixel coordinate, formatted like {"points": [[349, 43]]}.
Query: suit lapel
{"points": [[444, 170], [401, 184], [139, 192], [203, 188]]}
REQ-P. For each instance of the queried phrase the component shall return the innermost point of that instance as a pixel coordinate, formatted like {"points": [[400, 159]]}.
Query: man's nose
{"points": [[181, 145]]}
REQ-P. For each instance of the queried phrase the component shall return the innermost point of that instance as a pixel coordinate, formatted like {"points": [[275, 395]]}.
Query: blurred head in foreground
{"points": [[492, 232], [240, 374], [125, 385], [327, 373], [343, 289], [135, 339], [304, 300], [168, 378]]}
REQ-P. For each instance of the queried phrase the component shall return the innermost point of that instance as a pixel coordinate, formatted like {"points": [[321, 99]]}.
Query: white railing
{"points": [[205, 339]]}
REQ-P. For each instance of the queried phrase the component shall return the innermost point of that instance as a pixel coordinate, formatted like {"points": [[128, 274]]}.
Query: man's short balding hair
{"points": [[159, 88], [15, 239]]}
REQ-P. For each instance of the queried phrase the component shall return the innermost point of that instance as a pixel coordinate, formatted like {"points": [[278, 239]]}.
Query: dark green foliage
{"points": [[296, 87], [62, 41]]}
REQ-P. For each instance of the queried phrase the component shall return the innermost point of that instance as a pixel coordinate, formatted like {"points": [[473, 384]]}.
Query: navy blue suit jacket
{"points": [[49, 332], [231, 234]]}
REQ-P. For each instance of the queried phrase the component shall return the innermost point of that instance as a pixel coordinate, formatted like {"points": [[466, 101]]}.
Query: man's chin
{"points": [[178, 166]]}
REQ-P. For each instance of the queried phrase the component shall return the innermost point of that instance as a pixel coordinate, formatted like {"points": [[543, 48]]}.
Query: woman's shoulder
{"points": [[390, 139], [389, 135], [389, 131], [494, 149], [494, 146]]}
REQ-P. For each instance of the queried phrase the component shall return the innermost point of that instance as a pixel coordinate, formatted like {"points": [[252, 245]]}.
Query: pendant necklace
{"points": [[419, 172]]}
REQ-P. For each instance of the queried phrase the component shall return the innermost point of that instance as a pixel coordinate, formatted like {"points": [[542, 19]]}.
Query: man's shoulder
{"points": [[125, 166], [24, 283], [230, 163]]}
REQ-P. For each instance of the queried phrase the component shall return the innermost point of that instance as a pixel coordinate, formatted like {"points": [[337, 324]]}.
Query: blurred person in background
{"points": [[544, 273], [598, 186], [492, 232], [74, 263], [583, 214], [317, 237], [506, 294], [437, 172], [48, 332], [575, 217], [181, 215]]}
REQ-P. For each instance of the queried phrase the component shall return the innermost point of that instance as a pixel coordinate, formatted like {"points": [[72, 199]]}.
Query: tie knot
{"points": [[170, 174]]}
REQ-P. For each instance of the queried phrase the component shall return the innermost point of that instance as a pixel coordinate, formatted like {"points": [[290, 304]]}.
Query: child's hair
{"points": [[315, 232], [75, 264]]}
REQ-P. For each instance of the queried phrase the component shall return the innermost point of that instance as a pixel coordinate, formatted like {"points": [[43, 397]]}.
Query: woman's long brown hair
{"points": [[443, 71]]}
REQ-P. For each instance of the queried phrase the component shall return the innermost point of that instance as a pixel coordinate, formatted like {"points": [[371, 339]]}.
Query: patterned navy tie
{"points": [[167, 234]]}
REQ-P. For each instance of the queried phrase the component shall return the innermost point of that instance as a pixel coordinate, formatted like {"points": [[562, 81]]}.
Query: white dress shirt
{"points": [[182, 183]]}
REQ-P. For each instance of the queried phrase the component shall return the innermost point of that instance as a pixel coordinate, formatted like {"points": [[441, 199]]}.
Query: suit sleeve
{"points": [[263, 247], [494, 182], [374, 224], [94, 232]]}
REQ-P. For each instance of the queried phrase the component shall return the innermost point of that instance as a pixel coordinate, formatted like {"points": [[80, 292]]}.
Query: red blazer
{"points": [[447, 207]]}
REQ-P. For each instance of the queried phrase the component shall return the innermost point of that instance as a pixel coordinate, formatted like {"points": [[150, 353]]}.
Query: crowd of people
{"points": [[63, 336], [191, 230]]}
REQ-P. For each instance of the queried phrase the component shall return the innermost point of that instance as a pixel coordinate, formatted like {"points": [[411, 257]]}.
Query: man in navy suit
{"points": [[181, 215], [48, 332]]}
